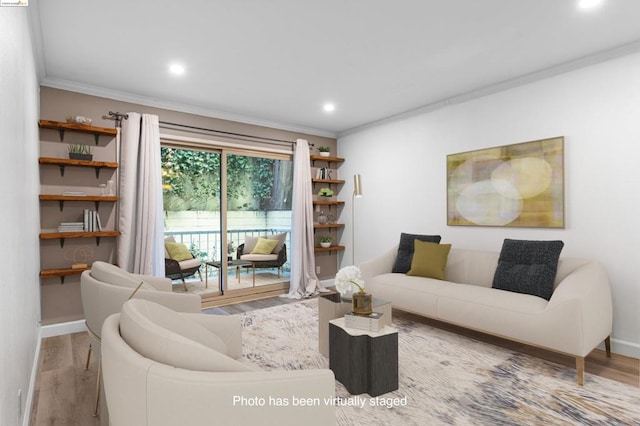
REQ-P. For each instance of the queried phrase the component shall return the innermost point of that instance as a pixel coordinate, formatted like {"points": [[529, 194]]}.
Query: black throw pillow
{"points": [[528, 267], [405, 250]]}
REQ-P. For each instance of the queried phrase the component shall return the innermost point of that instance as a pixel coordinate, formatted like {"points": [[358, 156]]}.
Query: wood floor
{"points": [[65, 390]]}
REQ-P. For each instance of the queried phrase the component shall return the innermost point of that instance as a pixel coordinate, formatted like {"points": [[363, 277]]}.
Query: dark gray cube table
{"points": [[364, 361]]}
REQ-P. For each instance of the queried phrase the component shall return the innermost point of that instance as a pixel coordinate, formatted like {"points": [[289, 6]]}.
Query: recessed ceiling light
{"points": [[588, 4], [176, 69], [329, 107]]}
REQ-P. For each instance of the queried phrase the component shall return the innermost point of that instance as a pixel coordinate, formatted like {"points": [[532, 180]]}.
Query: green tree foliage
{"points": [[191, 181]]}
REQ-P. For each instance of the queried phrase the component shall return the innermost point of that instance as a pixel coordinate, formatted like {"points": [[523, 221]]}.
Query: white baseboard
{"points": [[62, 328], [26, 415], [623, 347]]}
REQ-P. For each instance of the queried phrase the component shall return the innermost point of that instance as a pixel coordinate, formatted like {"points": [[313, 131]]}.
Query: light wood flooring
{"points": [[65, 390]]}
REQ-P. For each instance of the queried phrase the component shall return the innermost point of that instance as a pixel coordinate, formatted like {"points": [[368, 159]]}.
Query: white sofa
{"points": [[576, 319], [164, 368]]}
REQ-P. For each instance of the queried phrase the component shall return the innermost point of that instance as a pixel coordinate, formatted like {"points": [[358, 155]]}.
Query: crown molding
{"points": [[582, 62], [87, 89]]}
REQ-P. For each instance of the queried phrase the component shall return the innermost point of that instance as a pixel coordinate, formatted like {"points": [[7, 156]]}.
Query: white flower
{"points": [[347, 278]]}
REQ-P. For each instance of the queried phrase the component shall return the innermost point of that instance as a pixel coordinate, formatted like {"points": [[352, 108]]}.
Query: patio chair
{"points": [[180, 263], [275, 259]]}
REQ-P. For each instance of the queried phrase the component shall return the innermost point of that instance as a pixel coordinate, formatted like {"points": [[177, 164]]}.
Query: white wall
{"points": [[19, 217], [596, 109]]}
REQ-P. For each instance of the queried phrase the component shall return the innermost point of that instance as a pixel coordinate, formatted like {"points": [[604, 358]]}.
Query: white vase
{"points": [[325, 245], [325, 154]]}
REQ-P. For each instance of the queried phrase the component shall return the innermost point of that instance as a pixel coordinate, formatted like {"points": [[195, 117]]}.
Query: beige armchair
{"points": [[104, 289], [164, 368]]}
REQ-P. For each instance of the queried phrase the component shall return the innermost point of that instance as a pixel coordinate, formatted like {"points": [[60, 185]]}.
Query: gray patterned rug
{"points": [[445, 379]]}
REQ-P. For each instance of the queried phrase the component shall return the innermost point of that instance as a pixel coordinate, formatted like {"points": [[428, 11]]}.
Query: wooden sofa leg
{"points": [[607, 346], [580, 370]]}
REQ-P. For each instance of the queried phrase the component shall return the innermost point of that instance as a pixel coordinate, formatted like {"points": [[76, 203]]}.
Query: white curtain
{"points": [[141, 245], [304, 282]]}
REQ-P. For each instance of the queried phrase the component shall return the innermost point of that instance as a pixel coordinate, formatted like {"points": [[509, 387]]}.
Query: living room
{"points": [[592, 103]]}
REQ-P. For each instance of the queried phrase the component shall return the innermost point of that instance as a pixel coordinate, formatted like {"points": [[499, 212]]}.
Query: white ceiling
{"points": [[277, 62]]}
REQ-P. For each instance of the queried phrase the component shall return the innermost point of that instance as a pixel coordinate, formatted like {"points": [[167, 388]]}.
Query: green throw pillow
{"points": [[178, 251], [264, 246], [429, 260]]}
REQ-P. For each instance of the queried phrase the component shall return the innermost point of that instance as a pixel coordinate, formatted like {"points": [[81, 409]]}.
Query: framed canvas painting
{"points": [[520, 185]]}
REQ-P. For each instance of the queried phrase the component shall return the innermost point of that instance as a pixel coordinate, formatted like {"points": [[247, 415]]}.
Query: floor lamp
{"points": [[357, 193]]}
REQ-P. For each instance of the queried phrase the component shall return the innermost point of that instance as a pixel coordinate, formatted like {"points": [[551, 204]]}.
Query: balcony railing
{"points": [[206, 244]]}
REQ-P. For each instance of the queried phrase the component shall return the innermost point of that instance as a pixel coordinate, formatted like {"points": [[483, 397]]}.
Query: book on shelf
{"points": [[371, 322], [91, 221], [71, 227]]}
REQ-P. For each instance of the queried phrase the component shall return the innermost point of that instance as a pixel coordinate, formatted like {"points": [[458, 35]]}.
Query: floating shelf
{"points": [[65, 235], [328, 249], [328, 225], [51, 273], [327, 159], [64, 162], [328, 203], [73, 127], [62, 198], [328, 181]]}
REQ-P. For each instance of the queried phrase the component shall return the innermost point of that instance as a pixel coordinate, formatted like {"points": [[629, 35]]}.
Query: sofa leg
{"points": [[607, 346], [580, 370]]}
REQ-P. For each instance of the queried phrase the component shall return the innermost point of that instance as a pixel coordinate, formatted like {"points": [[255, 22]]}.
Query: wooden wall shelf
{"points": [[65, 235], [328, 203], [62, 198], [81, 128], [64, 162], [327, 159], [328, 225], [51, 273], [328, 181], [328, 249]]}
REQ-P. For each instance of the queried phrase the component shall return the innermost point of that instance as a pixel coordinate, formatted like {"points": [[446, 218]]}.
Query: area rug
{"points": [[444, 378]]}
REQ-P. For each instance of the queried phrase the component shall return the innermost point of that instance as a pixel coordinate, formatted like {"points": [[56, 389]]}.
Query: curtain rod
{"points": [[204, 129]]}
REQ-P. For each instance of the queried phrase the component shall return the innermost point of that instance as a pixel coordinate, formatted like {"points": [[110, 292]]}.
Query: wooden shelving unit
{"points": [[333, 203], [62, 163]]}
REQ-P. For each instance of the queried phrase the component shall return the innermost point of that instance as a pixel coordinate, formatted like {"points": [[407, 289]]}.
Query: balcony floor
{"points": [[263, 277]]}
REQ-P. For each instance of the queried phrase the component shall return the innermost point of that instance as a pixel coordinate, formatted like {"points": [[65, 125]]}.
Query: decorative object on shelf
{"points": [[79, 119], [80, 256], [325, 193], [331, 219], [80, 152], [325, 241], [322, 218], [324, 151], [346, 279], [111, 187]]}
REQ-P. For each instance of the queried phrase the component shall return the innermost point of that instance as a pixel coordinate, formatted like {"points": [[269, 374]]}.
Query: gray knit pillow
{"points": [[405, 250], [528, 267]]}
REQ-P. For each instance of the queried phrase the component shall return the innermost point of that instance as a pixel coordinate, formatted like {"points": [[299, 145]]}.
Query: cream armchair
{"points": [[104, 289], [164, 368]]}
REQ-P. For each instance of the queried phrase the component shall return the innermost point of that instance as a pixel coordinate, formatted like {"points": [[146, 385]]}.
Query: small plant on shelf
{"points": [[80, 152], [325, 241], [325, 192], [324, 151]]}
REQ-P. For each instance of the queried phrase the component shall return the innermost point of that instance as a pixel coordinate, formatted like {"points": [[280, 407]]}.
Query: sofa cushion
{"points": [[167, 337], [264, 246], [429, 260], [405, 250], [528, 267], [178, 251], [111, 274], [250, 242]]}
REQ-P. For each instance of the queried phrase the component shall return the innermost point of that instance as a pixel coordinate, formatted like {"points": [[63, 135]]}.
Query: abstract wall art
{"points": [[519, 185]]}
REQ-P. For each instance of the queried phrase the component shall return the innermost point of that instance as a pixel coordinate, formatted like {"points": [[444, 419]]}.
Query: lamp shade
{"points": [[357, 186]]}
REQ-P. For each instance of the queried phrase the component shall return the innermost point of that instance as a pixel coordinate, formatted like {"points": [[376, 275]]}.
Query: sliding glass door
{"points": [[219, 202]]}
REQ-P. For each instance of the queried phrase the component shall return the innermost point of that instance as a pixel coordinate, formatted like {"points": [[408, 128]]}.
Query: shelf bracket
{"points": [[61, 204], [97, 137], [97, 172], [61, 170], [61, 279], [98, 241], [61, 135], [61, 242], [97, 204]]}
